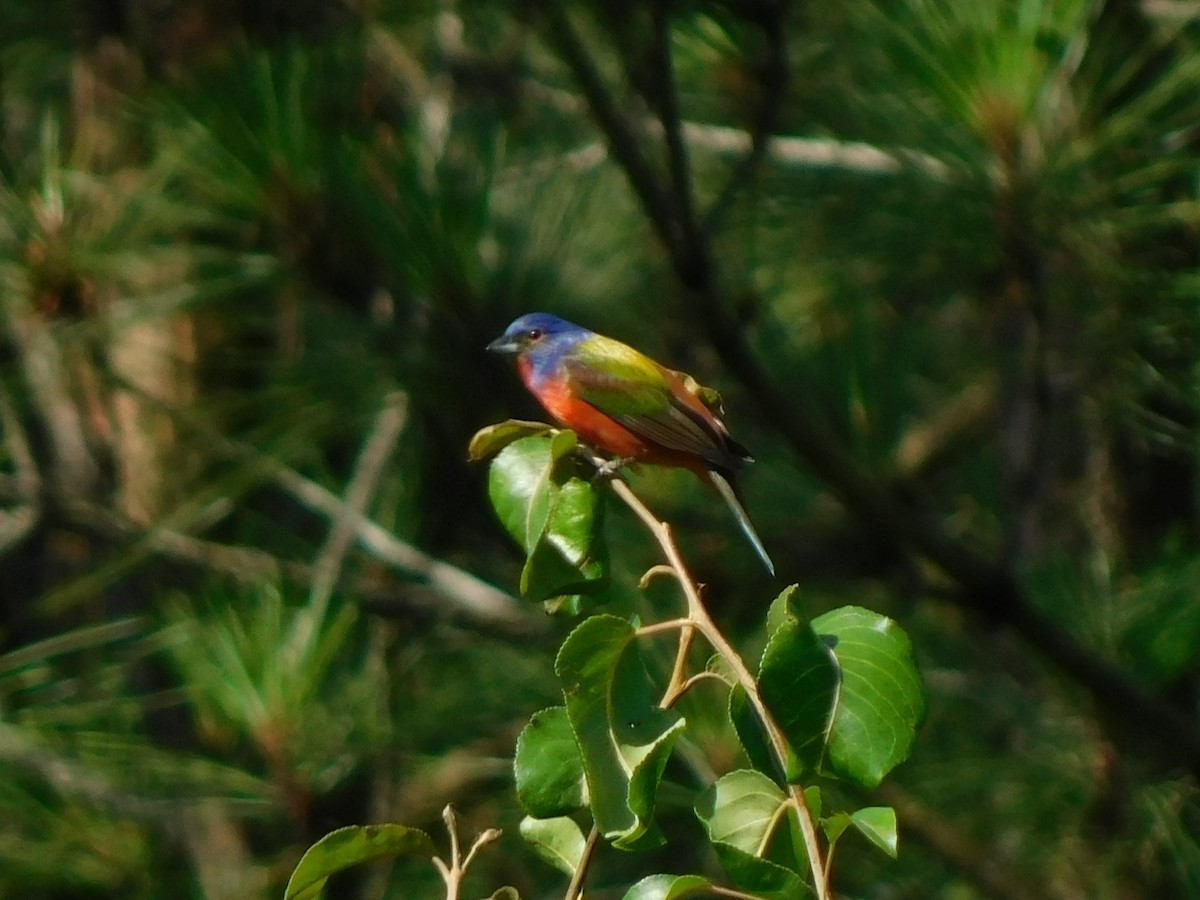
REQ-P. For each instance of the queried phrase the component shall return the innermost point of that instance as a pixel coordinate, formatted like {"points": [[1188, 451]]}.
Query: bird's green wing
{"points": [[634, 390]]}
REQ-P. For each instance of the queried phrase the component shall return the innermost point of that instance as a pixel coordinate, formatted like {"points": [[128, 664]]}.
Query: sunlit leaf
{"points": [[556, 516], [352, 846], [668, 887], [491, 440], [878, 825], [557, 841], [881, 701], [746, 817]]}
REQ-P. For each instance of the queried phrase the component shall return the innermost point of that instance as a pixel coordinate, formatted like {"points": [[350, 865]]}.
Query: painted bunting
{"points": [[623, 403]]}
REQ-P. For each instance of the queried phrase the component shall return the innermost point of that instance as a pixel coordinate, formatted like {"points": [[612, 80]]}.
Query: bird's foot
{"points": [[608, 468]]}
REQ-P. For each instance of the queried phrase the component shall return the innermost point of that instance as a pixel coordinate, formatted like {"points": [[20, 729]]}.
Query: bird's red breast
{"points": [[599, 430], [592, 426]]}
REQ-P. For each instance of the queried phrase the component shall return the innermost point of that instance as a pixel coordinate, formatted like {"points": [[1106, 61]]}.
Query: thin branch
{"points": [[794, 151], [769, 832], [666, 101], [772, 83], [695, 680], [575, 888], [377, 449], [473, 595], [254, 566], [452, 873], [816, 153], [474, 598], [679, 681], [620, 137], [704, 623], [667, 625]]}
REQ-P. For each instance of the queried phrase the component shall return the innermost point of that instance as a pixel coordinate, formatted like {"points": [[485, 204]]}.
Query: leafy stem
{"points": [[701, 621]]}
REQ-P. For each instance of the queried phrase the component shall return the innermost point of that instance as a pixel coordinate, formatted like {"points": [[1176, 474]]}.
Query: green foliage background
{"points": [[250, 255]]}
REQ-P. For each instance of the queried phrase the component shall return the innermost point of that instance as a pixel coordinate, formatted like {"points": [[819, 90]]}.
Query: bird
{"points": [[622, 403]]}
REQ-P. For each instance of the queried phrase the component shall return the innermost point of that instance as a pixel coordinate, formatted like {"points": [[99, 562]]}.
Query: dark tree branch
{"points": [[772, 82], [665, 100], [622, 141]]}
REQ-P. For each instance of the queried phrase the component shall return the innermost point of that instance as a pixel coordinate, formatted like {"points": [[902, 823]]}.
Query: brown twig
{"points": [[772, 78], [452, 873], [575, 888]]}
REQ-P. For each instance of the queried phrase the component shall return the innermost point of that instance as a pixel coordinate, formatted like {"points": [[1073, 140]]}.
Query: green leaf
{"points": [[348, 847], [548, 767], [557, 841], [777, 612], [750, 732], [668, 887], [505, 893], [556, 516], [835, 826], [623, 736], [491, 440], [881, 701], [878, 825], [745, 815], [798, 681], [812, 799]]}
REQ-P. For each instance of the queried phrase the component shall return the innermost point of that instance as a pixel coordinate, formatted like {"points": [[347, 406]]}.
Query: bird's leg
{"points": [[608, 468]]}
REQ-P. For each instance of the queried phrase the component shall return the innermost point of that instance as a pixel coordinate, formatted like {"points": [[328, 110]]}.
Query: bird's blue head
{"points": [[539, 334]]}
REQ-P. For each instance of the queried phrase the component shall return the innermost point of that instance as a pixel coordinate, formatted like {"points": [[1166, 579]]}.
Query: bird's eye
{"points": [[535, 334]]}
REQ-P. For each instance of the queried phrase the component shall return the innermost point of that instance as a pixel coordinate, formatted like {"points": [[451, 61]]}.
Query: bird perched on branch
{"points": [[623, 403]]}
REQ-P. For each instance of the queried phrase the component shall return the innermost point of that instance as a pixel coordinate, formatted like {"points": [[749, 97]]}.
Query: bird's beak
{"points": [[504, 345]]}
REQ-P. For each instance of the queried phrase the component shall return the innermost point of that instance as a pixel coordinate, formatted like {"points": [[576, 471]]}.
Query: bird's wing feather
{"points": [[635, 391]]}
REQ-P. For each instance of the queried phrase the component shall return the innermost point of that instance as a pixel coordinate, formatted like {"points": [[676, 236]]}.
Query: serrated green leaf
{"points": [[881, 701], [623, 736], [878, 825], [548, 767], [351, 846], [668, 887], [777, 612], [740, 809], [518, 478], [556, 517], [745, 816], [557, 841], [798, 682], [491, 440], [571, 555]]}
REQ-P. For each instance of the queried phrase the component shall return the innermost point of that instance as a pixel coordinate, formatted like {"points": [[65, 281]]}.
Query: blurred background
{"points": [[940, 258]]}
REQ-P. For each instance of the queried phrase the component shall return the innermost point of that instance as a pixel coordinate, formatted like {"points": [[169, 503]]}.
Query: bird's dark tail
{"points": [[726, 489]]}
